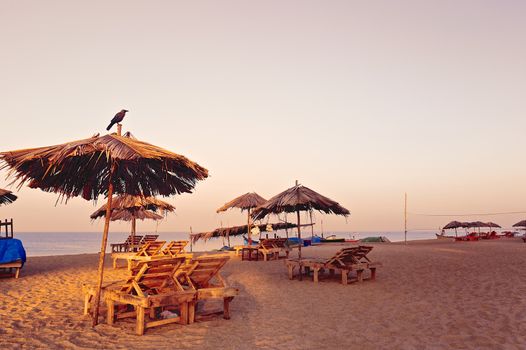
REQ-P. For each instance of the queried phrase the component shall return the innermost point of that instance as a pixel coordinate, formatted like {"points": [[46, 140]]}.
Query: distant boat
{"points": [[331, 239]]}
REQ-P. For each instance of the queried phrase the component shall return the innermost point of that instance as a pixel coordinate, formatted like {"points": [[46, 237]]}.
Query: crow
{"points": [[117, 119]]}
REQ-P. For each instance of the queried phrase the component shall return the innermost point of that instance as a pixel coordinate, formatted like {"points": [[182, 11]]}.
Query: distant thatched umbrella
{"points": [[104, 165], [135, 206], [492, 224], [7, 197], [520, 224], [454, 225], [246, 202], [237, 231], [296, 199]]}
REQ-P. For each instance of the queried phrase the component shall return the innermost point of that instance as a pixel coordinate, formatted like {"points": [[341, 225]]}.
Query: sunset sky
{"points": [[358, 100]]}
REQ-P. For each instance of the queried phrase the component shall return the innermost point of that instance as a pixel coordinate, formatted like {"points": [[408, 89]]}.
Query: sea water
{"points": [[67, 243]]}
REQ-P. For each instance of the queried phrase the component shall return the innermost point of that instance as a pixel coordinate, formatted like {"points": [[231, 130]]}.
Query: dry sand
{"points": [[428, 295]]}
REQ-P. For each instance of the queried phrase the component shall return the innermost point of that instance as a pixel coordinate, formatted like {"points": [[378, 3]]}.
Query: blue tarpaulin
{"points": [[11, 250]]}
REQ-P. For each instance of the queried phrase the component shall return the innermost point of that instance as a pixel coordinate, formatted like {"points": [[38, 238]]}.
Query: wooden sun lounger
{"points": [[152, 288], [280, 244], [346, 260], [147, 252], [127, 246], [203, 276]]}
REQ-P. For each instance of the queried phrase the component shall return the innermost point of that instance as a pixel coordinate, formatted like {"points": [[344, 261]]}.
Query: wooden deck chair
{"points": [[127, 245], [203, 276], [281, 244], [345, 260], [153, 288], [268, 249], [149, 238], [147, 252]]}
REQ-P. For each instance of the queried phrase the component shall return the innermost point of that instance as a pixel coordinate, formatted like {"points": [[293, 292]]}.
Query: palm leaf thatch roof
{"points": [[299, 198], [476, 224], [520, 224], [7, 197], [141, 214], [454, 224], [492, 224], [237, 231], [244, 202], [83, 168], [133, 204]]}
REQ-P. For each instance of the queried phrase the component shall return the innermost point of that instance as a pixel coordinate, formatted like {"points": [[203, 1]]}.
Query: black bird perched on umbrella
{"points": [[117, 119]]}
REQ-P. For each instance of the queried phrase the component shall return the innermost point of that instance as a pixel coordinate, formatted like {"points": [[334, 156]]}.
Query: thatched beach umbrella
{"points": [[103, 165], [493, 225], [141, 214], [454, 225], [247, 202], [7, 197], [520, 224], [296, 199], [136, 207]]}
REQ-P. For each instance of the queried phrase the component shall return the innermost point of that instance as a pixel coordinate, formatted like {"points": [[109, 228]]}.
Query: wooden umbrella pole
{"points": [[299, 232], [95, 320], [134, 230], [248, 228], [299, 240]]}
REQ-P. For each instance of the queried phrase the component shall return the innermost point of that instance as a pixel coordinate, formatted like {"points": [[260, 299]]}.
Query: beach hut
{"points": [[247, 201], [296, 199], [103, 165], [7, 197], [130, 208]]}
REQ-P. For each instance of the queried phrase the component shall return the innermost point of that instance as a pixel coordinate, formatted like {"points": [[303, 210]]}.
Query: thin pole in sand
{"points": [[405, 218], [191, 240], [248, 228]]}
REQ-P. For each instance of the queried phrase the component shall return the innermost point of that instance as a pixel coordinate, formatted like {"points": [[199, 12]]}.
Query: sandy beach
{"points": [[428, 295]]}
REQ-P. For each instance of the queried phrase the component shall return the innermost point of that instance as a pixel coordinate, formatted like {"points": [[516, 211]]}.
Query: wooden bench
{"points": [[16, 266]]}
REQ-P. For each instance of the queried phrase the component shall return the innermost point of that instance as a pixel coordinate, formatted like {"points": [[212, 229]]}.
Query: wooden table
{"points": [[246, 253]]}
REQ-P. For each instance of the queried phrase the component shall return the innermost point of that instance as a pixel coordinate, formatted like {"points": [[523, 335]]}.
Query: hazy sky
{"points": [[358, 100]]}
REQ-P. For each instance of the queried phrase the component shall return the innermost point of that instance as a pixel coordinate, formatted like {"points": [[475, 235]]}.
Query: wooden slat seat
{"points": [[346, 260], [147, 252], [175, 249], [152, 287], [128, 244]]}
